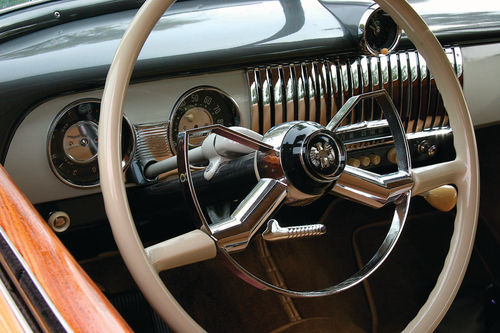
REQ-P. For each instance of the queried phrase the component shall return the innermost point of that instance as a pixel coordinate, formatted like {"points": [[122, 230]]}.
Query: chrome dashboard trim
{"points": [[315, 90], [152, 142]]}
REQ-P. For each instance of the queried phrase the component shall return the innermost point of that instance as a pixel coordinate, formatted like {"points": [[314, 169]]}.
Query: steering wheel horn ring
{"points": [[463, 172], [293, 143]]}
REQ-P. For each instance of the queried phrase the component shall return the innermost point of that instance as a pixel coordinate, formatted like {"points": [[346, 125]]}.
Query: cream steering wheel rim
{"points": [[463, 172]]}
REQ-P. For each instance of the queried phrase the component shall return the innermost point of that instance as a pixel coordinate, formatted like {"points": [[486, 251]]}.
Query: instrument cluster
{"points": [[72, 139]]}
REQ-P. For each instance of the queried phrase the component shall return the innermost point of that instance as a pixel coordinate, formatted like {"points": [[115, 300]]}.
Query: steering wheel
{"points": [[145, 264]]}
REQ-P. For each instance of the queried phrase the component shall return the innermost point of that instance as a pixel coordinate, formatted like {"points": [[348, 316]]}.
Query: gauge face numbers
{"points": [[73, 141], [201, 107], [80, 142]]}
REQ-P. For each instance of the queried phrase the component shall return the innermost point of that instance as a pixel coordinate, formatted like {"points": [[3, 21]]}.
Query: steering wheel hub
{"points": [[311, 156], [324, 156]]}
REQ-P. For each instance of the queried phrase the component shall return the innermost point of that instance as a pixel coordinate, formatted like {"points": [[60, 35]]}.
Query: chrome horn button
{"points": [[324, 156], [312, 158]]}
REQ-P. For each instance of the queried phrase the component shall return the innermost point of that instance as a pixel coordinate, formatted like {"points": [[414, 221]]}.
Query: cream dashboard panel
{"points": [[27, 160]]}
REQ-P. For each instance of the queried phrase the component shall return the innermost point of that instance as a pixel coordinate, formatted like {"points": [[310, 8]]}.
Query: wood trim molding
{"points": [[80, 303]]}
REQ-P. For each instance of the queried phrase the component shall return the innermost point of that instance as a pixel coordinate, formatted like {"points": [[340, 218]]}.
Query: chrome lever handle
{"points": [[275, 232]]}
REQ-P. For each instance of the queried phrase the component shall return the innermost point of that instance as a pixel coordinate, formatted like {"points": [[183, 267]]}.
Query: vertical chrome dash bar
{"points": [[355, 115], [266, 100], [451, 56], [336, 88], [395, 87], [414, 90], [288, 81], [310, 86], [322, 95], [300, 87], [276, 96], [424, 95], [384, 80], [280, 92], [255, 100], [345, 78], [367, 105], [376, 113], [316, 90], [405, 88]]}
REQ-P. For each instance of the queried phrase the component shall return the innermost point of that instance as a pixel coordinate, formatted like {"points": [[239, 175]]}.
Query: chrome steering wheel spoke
{"points": [[371, 189], [367, 187], [234, 234], [297, 163]]}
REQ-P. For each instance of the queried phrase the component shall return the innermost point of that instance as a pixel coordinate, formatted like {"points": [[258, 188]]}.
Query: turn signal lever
{"points": [[215, 149]]}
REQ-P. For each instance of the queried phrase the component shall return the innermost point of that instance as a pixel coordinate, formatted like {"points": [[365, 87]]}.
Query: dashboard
{"points": [[156, 111], [255, 81]]}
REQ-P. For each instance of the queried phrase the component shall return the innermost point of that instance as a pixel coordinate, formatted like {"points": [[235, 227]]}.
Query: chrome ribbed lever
{"points": [[275, 232]]}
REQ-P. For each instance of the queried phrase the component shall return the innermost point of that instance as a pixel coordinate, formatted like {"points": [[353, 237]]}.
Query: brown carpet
{"points": [[221, 302]]}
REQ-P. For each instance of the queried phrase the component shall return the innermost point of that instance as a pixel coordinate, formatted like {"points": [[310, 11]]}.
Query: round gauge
{"points": [[72, 144], [379, 33], [201, 106], [80, 142]]}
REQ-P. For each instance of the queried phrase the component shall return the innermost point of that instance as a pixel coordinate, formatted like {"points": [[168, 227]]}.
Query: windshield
{"points": [[7, 5]]}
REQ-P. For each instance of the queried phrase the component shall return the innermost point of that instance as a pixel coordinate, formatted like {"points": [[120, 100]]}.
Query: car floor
{"points": [[386, 302]]}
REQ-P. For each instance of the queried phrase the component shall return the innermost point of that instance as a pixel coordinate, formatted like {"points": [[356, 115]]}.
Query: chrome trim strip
{"points": [[22, 6], [426, 134], [316, 90], [152, 142], [32, 277], [15, 309]]}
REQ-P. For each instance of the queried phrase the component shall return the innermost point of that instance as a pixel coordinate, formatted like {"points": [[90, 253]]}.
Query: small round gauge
{"points": [[201, 106], [72, 144], [379, 33]]}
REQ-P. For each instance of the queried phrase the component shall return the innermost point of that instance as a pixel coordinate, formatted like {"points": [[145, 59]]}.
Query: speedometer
{"points": [[202, 106]]}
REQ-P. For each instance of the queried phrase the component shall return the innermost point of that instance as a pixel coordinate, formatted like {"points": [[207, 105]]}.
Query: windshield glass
{"points": [[12, 4]]}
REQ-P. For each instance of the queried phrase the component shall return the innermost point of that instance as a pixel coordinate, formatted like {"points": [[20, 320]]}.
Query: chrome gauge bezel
{"points": [[365, 19], [184, 97], [71, 182]]}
